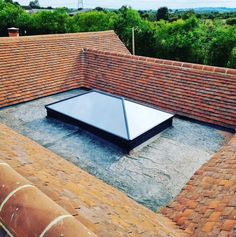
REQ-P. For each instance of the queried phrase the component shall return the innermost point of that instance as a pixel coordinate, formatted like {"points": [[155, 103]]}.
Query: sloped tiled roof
{"points": [[207, 204], [196, 91], [101, 208], [103, 40], [36, 66]]}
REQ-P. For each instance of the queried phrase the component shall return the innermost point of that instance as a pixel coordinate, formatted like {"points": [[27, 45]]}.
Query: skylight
{"points": [[119, 120]]}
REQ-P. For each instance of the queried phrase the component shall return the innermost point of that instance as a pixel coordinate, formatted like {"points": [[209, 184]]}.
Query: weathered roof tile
{"points": [[100, 207], [214, 186], [36, 66]]}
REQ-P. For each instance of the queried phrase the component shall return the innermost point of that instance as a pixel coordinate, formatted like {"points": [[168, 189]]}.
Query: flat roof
{"points": [[162, 167]]}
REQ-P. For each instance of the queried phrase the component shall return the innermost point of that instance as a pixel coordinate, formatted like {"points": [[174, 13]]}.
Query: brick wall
{"points": [[37, 66], [200, 92]]}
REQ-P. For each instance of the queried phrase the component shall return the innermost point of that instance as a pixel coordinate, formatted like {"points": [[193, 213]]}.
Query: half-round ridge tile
{"points": [[28, 212], [69, 227], [10, 180]]}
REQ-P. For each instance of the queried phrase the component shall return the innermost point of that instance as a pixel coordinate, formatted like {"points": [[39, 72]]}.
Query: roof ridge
{"points": [[54, 36], [49, 222], [123, 108], [170, 63], [125, 116]]}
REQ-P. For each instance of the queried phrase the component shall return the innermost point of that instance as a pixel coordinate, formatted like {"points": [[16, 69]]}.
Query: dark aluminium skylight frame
{"points": [[126, 143]]}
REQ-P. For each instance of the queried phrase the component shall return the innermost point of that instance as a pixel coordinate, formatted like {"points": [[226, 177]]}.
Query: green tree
{"points": [[188, 14], [222, 41], [50, 22], [231, 21], [94, 21], [8, 1], [99, 9], [12, 16], [232, 58], [34, 4], [145, 39], [162, 14], [178, 40], [126, 19]]}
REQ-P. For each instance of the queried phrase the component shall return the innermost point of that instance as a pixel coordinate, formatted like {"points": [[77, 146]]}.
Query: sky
{"points": [[137, 4]]}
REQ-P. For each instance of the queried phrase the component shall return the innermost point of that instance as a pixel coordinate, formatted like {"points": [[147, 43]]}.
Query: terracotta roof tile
{"points": [[101, 208], [26, 211], [212, 190], [37, 66], [198, 93]]}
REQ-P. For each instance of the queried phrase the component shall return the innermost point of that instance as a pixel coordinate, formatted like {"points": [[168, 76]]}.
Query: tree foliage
{"points": [[50, 22], [163, 14], [34, 4], [232, 58], [231, 21], [126, 19], [94, 21], [185, 36], [12, 15]]}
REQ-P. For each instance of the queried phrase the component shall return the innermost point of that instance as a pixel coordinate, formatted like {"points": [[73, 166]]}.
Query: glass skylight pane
{"points": [[142, 118], [121, 121], [96, 109]]}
